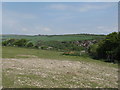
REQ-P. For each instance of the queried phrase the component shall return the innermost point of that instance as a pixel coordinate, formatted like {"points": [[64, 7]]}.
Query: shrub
{"points": [[9, 42], [44, 47], [109, 48], [4, 43], [21, 42], [29, 44]]}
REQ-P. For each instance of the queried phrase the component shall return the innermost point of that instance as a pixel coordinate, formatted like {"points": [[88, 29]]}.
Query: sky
{"points": [[48, 18]]}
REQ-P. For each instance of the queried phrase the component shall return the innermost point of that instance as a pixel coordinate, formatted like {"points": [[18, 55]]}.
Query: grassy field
{"points": [[25, 68], [54, 37], [17, 52]]}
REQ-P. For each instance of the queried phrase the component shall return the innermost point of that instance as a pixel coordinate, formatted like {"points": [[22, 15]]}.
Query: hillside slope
{"points": [[69, 37], [46, 73]]}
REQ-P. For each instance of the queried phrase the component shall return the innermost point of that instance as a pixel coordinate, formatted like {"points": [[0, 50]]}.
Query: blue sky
{"points": [[59, 18]]}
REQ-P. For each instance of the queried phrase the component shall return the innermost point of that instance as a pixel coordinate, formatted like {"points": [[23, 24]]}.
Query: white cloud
{"points": [[106, 29], [46, 29], [80, 8], [43, 28], [100, 27], [17, 15], [59, 6], [24, 29], [21, 23], [88, 7]]}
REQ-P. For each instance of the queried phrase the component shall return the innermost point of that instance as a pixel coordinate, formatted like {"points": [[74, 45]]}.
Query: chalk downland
{"points": [[46, 73]]}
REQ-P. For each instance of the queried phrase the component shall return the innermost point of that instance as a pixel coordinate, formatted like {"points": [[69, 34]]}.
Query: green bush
{"points": [[21, 42], [108, 49], [93, 50], [29, 44], [9, 42], [4, 43], [15, 42]]}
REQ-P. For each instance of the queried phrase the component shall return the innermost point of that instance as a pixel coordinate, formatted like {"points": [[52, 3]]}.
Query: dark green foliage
{"points": [[4, 43], [93, 50], [108, 49], [20, 43], [117, 53], [8, 42], [60, 46], [17, 42], [29, 44]]}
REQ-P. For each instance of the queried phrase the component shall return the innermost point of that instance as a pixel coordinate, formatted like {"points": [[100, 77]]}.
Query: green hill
{"points": [[68, 37]]}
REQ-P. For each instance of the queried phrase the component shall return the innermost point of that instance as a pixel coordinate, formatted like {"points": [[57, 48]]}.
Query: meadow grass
{"points": [[33, 68], [17, 52]]}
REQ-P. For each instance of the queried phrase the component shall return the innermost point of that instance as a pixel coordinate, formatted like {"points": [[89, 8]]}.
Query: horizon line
{"points": [[54, 34]]}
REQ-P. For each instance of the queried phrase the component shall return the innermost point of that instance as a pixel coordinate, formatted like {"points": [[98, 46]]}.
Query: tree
{"points": [[29, 44], [109, 48], [21, 42], [8, 42], [4, 43]]}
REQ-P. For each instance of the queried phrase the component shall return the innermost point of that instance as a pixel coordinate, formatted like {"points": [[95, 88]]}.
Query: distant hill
{"points": [[67, 37]]}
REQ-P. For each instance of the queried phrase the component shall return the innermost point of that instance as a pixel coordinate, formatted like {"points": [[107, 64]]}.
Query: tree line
{"points": [[108, 49], [45, 45], [18, 43]]}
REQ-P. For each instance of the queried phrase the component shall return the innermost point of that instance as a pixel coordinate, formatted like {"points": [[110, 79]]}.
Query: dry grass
{"points": [[45, 73]]}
